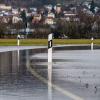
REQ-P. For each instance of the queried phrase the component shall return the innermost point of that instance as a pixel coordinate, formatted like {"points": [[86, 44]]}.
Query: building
{"points": [[58, 8], [37, 18], [15, 11], [16, 19], [50, 18], [68, 15], [5, 7], [5, 19]]}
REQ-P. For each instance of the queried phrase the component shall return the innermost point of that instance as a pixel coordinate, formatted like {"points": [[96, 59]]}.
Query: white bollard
{"points": [[50, 37], [92, 43], [18, 40], [50, 48], [18, 55]]}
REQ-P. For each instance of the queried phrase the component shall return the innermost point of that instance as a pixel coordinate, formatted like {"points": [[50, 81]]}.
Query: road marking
{"points": [[65, 92]]}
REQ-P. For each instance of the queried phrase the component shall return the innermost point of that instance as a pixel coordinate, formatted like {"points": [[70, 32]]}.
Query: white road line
{"points": [[65, 92]]}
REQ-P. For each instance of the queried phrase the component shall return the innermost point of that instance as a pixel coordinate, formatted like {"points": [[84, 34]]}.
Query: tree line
{"points": [[87, 27]]}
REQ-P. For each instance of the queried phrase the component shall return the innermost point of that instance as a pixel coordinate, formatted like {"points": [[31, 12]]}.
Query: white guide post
{"points": [[50, 48], [18, 40], [18, 55], [92, 43]]}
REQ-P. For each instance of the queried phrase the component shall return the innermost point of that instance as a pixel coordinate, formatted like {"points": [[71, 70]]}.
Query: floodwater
{"points": [[73, 75]]}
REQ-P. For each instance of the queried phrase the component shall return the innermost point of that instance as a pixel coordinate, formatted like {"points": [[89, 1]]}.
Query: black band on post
{"points": [[50, 44]]}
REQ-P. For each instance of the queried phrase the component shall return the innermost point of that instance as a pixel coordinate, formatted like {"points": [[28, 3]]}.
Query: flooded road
{"points": [[73, 75]]}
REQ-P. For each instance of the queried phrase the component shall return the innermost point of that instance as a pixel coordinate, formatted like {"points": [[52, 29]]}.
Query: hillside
{"points": [[26, 3]]}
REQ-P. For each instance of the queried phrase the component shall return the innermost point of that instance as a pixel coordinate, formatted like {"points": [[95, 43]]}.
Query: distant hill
{"points": [[26, 3]]}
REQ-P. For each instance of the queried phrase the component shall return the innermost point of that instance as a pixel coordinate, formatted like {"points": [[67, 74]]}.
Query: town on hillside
{"points": [[65, 21]]}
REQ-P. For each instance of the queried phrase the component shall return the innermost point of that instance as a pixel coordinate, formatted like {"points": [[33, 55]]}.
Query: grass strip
{"points": [[40, 42]]}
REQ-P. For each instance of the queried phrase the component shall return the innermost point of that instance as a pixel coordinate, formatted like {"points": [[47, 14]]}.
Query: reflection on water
{"points": [[8, 63], [16, 82], [25, 75], [50, 82]]}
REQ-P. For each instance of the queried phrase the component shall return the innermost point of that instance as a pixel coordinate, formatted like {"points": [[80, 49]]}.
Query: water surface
{"points": [[24, 75]]}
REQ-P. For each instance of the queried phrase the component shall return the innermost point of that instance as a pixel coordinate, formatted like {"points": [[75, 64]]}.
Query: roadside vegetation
{"points": [[83, 27], [44, 42]]}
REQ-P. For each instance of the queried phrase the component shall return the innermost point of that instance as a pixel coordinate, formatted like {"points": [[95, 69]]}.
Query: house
{"points": [[49, 8], [68, 15], [5, 19], [5, 7], [37, 18], [16, 19], [58, 8], [50, 18], [15, 11]]}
